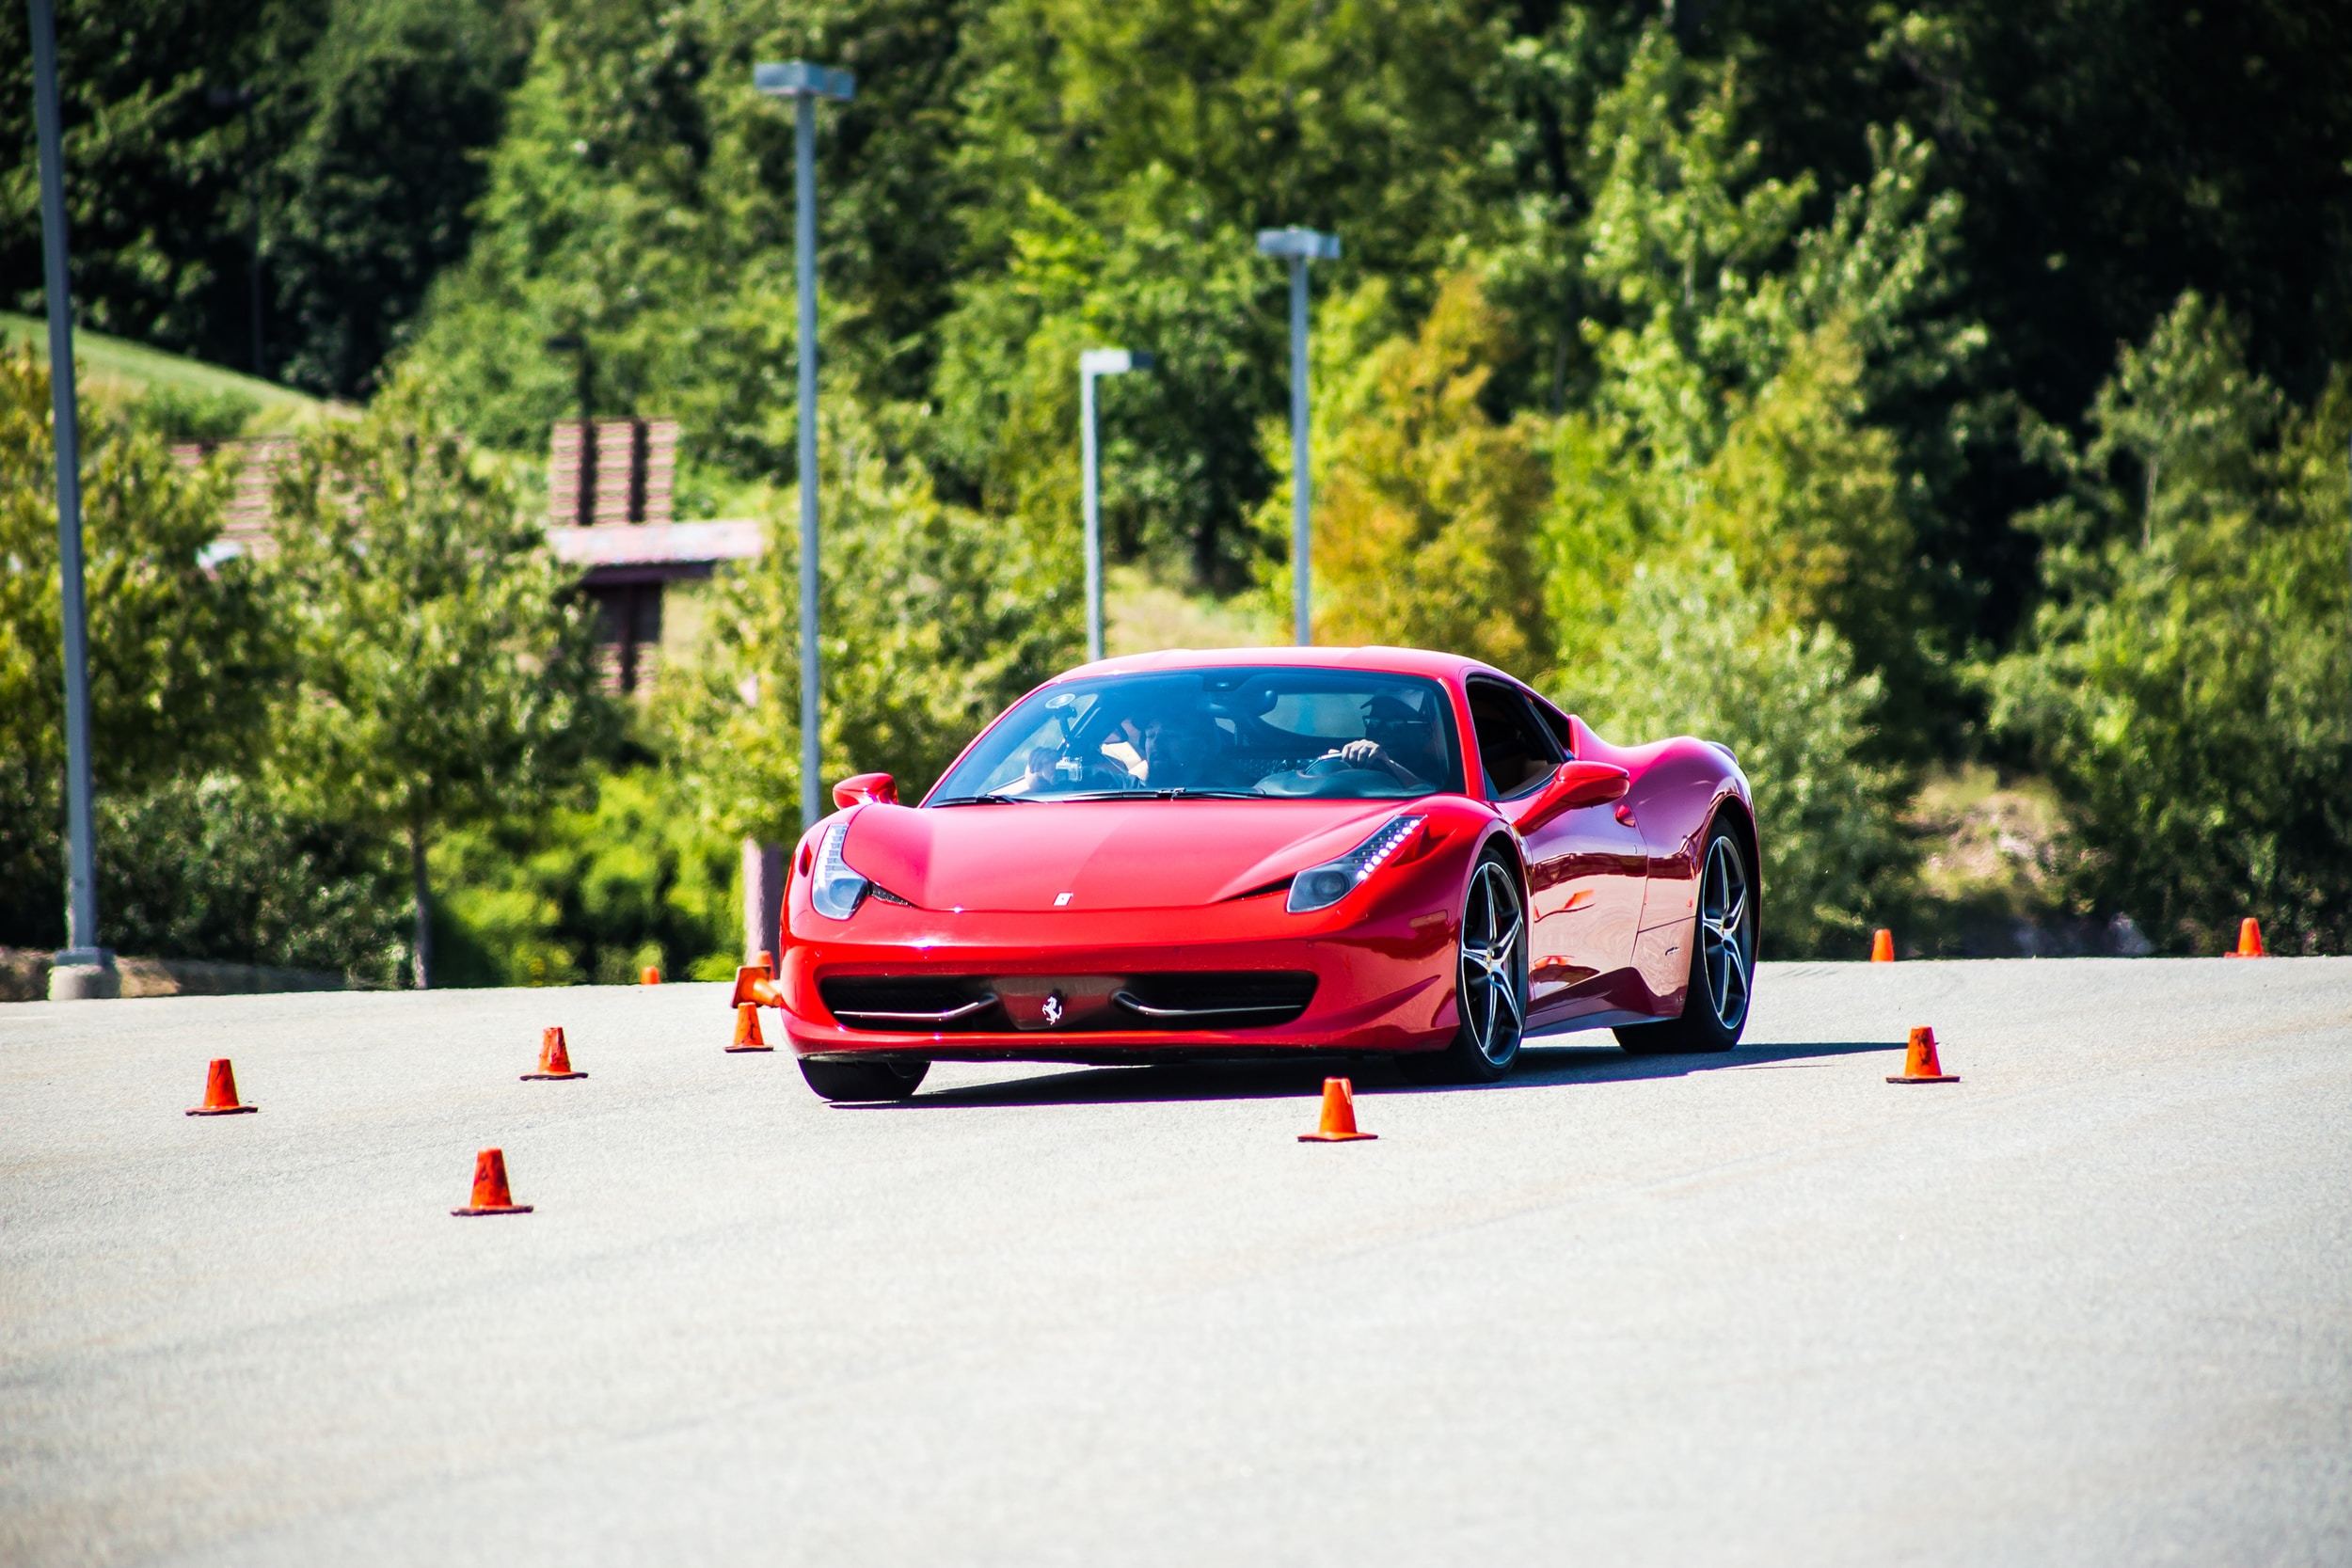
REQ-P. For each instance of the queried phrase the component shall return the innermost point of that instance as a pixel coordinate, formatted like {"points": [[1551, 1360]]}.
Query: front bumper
{"points": [[1384, 975]]}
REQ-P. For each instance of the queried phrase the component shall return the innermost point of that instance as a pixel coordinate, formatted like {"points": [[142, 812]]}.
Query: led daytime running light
{"points": [[1319, 887]]}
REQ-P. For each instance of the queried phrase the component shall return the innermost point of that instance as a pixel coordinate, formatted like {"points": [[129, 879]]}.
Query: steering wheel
{"points": [[1099, 772], [1324, 777]]}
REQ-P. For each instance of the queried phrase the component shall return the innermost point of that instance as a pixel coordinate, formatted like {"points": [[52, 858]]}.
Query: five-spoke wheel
{"points": [[1723, 956], [1725, 947], [1490, 979]]}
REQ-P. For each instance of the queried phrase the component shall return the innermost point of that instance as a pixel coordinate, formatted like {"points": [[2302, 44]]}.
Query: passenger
{"points": [[1188, 751]]}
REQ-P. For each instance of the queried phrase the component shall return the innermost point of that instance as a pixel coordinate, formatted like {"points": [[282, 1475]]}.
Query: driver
{"points": [[1400, 740]]}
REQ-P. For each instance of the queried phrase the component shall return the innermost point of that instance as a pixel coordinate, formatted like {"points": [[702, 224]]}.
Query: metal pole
{"points": [[1302, 633], [1094, 515], [805, 291], [81, 918]]}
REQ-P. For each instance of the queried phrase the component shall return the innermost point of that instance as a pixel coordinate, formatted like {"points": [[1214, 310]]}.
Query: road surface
{"points": [[2090, 1304]]}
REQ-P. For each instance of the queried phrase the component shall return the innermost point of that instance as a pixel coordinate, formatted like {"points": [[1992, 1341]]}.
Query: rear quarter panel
{"points": [[1677, 789]]}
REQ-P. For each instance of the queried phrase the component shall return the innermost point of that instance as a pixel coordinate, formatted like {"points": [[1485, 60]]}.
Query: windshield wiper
{"points": [[989, 797]]}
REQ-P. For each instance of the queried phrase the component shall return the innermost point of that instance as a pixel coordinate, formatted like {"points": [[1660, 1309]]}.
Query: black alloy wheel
{"points": [[1490, 979], [1722, 959]]}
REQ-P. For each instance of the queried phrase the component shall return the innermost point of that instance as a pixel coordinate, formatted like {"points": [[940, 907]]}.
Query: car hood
{"points": [[1100, 854]]}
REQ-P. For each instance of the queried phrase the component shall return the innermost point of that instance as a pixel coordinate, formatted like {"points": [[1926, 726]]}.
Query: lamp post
{"points": [[1299, 246], [1093, 364], [804, 84], [84, 969]]}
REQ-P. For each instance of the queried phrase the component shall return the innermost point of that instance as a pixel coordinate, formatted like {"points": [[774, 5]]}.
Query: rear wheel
{"points": [[1722, 959], [1490, 980], [884, 1080]]}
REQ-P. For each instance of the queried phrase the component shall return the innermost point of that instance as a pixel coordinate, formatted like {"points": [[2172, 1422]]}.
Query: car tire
{"points": [[1490, 982], [1716, 1001], [854, 1081]]}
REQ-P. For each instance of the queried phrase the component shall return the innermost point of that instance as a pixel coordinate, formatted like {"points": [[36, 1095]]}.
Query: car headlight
{"points": [[834, 890], [1319, 887]]}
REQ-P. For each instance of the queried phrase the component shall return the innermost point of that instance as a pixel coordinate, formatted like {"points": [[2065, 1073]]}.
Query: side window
{"points": [[1516, 752], [1557, 722]]}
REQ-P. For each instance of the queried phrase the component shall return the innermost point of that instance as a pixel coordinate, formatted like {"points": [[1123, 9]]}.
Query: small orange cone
{"points": [[1883, 946], [1919, 1063], [554, 1060], [490, 1195], [2249, 939], [220, 1093], [1338, 1116], [764, 960], [649, 976], [747, 1036]]}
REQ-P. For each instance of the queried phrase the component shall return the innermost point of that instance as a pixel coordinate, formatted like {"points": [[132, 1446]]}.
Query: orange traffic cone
{"points": [[554, 1060], [1919, 1063], [755, 984], [765, 960], [490, 1195], [220, 1093], [2250, 939], [1338, 1116], [649, 976], [1883, 946], [747, 1036]]}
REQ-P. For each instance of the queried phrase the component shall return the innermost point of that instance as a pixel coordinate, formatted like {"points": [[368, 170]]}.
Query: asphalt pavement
{"points": [[2092, 1304]]}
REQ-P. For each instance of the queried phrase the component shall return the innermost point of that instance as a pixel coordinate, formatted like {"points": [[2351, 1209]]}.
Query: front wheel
{"points": [[1490, 980], [885, 1080], [1722, 959]]}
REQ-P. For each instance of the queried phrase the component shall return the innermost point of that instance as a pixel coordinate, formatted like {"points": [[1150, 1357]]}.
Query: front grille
{"points": [[1170, 1001]]}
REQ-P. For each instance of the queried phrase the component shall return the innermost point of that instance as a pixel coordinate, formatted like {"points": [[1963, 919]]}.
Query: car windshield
{"points": [[1279, 732]]}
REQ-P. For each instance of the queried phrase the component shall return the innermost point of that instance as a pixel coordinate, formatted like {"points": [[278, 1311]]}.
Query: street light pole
{"points": [[84, 969], [804, 84], [1300, 247], [1093, 364]]}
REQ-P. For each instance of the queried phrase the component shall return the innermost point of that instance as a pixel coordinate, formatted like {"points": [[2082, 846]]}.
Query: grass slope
{"points": [[106, 365]]}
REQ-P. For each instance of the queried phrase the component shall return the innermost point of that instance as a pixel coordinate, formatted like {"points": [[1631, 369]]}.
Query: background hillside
{"points": [[1944, 403]]}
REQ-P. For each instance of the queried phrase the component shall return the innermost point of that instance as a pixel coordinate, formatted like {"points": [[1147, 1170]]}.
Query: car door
{"points": [[1585, 868]]}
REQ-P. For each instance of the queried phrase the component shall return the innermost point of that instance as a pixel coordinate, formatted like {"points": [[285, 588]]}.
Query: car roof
{"points": [[1396, 661]]}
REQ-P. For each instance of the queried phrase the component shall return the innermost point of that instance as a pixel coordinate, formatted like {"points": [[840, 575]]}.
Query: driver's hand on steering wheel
{"points": [[1362, 754], [1109, 771]]}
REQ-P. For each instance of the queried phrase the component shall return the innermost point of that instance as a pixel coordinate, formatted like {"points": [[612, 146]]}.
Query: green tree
{"points": [[442, 671], [1424, 502], [369, 200], [933, 619], [1697, 654], [1182, 461], [2185, 676], [180, 650], [179, 647], [590, 893]]}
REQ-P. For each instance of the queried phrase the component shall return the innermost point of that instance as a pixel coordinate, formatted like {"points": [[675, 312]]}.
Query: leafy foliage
{"points": [[932, 620], [442, 672], [341, 135], [2186, 681], [589, 892], [1700, 655], [181, 655], [1426, 501]]}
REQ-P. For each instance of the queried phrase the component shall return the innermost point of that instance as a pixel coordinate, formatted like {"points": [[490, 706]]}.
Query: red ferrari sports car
{"points": [[1369, 850]]}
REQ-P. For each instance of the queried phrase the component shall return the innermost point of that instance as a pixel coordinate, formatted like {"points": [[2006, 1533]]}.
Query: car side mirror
{"points": [[877, 788], [1574, 785]]}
